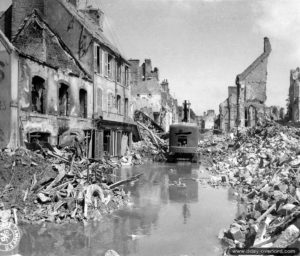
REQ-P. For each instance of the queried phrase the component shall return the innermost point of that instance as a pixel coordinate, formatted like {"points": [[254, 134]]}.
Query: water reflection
{"points": [[171, 215]]}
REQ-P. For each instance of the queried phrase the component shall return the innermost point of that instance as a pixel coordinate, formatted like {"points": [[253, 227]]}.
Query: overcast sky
{"points": [[201, 45]]}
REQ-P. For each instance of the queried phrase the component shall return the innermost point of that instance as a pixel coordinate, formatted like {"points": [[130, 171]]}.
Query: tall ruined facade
{"points": [[68, 77], [294, 94], [245, 104], [151, 96]]}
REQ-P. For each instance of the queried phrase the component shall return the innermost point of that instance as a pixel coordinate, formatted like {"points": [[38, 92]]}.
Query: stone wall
{"points": [[51, 121], [293, 107], [251, 86]]}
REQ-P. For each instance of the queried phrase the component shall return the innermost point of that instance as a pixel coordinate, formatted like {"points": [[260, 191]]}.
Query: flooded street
{"points": [[172, 213]]}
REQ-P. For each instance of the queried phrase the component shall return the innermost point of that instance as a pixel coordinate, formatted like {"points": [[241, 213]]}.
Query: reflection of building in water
{"points": [[186, 212], [164, 194], [184, 190]]}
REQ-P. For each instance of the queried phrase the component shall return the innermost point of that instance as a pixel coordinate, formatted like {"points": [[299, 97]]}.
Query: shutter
{"points": [[106, 64], [113, 69], [119, 144], [99, 100], [95, 57], [100, 61]]}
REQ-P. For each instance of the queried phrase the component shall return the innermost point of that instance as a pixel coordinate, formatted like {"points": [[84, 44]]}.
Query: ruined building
{"points": [[150, 96], [275, 113], [60, 75], [293, 100], [245, 104], [208, 119]]}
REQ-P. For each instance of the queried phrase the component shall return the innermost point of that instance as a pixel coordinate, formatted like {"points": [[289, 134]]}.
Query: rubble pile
{"points": [[264, 170], [57, 186], [214, 148], [151, 145]]}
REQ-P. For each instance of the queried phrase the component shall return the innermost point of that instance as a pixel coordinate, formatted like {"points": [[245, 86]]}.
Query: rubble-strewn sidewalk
{"points": [[262, 164], [58, 187]]}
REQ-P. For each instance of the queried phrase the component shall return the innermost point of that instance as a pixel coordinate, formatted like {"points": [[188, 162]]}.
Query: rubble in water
{"points": [[57, 186], [263, 166], [151, 146]]}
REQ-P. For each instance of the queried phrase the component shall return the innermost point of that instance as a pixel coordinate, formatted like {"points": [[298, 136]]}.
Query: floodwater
{"points": [[173, 214]]}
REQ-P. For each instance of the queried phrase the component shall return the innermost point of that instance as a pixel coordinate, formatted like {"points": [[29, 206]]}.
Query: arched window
{"points": [[83, 103], [64, 100], [38, 95]]}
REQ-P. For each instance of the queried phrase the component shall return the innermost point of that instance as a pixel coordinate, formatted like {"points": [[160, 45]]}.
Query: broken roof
{"points": [[261, 58], [63, 57], [91, 27]]}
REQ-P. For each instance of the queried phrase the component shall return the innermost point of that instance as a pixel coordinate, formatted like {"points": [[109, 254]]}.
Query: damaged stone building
{"points": [[61, 76], [150, 96], [293, 110], [275, 113], [245, 104], [208, 120]]}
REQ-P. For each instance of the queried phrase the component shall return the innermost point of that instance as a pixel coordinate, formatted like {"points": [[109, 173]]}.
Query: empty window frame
{"points": [[119, 108], [182, 141], [110, 66], [83, 103], [126, 102], [119, 72], [64, 100], [98, 59], [38, 95], [126, 76]]}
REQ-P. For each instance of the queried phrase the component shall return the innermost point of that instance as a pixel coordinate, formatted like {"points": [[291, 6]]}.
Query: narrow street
{"points": [[172, 208], [149, 127]]}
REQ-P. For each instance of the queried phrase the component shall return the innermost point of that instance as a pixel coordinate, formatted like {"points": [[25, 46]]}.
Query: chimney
{"points": [[96, 15], [87, 8], [135, 71], [165, 85], [21, 9], [267, 46], [147, 66]]}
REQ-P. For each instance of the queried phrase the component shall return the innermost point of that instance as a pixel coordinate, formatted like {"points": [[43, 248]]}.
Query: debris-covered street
{"points": [[252, 177], [141, 128]]}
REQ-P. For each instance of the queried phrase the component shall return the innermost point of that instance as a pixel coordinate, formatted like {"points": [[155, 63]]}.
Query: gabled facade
{"points": [[70, 76], [245, 105]]}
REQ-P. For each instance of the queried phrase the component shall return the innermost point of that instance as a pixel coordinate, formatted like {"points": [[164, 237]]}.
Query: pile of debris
{"points": [[264, 168], [57, 186], [213, 149], [151, 146]]}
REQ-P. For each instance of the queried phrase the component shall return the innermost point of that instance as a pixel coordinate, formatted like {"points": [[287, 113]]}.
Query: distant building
{"points": [[275, 113], [245, 104], [152, 97], [209, 118]]}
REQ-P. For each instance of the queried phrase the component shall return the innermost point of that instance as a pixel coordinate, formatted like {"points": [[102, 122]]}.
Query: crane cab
{"points": [[183, 143]]}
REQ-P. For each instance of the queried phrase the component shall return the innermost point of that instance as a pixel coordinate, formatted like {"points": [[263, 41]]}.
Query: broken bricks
{"points": [[264, 166]]}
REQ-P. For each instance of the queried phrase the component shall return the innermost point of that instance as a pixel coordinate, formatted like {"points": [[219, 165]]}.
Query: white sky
{"points": [[201, 45]]}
